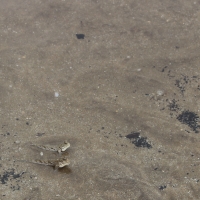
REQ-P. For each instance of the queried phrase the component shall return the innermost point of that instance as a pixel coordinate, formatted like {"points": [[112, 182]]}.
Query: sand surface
{"points": [[120, 80]]}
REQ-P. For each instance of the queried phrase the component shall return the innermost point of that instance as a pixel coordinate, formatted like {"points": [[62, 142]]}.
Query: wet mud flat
{"points": [[119, 80]]}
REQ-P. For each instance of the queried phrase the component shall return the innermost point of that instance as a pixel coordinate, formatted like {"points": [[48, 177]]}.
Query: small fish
{"points": [[59, 149], [58, 163]]}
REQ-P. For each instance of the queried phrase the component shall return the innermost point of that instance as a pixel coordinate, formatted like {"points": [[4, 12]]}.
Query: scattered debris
{"points": [[138, 141], [173, 106], [182, 82], [162, 187], [7, 174], [191, 119]]}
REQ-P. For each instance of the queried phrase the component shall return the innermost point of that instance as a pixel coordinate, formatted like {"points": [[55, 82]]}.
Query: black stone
{"points": [[80, 36]]}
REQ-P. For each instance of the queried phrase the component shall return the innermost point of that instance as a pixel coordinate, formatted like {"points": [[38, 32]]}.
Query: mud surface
{"points": [[119, 80]]}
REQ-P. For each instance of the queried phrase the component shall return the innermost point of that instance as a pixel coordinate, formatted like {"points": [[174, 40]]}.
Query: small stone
{"points": [[160, 92], [56, 94]]}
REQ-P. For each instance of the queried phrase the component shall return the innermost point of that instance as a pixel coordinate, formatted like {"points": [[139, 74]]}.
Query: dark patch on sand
{"points": [[9, 174], [138, 140], [190, 119], [80, 36]]}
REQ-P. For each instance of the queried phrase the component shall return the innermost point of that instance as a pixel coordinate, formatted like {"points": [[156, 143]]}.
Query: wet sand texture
{"points": [[119, 80]]}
